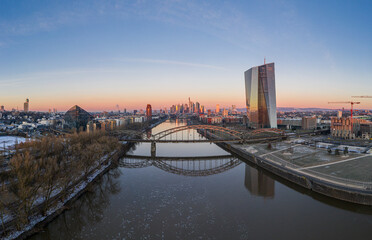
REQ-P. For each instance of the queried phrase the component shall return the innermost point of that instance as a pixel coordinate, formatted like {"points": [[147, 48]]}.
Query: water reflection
{"points": [[258, 183], [141, 200], [148, 133], [86, 211], [187, 166]]}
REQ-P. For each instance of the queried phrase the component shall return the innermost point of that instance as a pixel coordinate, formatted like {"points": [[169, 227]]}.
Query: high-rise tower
{"points": [[149, 112], [26, 105], [261, 96]]}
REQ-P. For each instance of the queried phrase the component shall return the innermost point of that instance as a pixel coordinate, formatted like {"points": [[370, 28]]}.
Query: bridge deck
{"points": [[252, 140], [180, 158], [182, 141]]}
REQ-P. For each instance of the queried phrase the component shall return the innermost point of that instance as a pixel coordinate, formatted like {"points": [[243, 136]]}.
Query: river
{"points": [[221, 198]]}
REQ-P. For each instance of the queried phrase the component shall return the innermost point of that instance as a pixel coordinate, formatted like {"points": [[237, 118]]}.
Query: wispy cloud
{"points": [[170, 62], [225, 22], [11, 83], [24, 79]]}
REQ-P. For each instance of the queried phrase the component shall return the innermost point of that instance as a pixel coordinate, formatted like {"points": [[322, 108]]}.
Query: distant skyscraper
{"points": [[261, 96], [225, 112], [197, 107], [149, 112], [217, 108], [2, 109], [26, 105]]}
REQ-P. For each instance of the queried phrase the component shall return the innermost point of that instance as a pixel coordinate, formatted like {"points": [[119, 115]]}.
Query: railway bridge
{"points": [[208, 133]]}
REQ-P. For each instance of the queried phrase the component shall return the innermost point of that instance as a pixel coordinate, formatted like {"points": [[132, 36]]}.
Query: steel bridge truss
{"points": [[229, 133]]}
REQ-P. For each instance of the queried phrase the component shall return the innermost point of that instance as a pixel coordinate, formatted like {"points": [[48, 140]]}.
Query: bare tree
{"points": [[2, 207], [24, 183], [49, 180]]}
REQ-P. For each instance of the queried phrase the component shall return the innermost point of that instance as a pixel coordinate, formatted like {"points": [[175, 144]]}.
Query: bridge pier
{"points": [[153, 149]]}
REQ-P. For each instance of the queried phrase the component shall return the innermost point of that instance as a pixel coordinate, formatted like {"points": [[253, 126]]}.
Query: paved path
{"points": [[332, 163], [279, 150]]}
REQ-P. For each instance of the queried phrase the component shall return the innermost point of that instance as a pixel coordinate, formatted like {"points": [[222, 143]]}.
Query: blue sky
{"points": [[98, 54]]}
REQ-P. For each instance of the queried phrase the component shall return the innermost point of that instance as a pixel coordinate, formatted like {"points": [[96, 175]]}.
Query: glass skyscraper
{"points": [[261, 96]]}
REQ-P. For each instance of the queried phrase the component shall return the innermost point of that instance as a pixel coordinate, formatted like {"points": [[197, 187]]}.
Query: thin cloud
{"points": [[171, 62], [12, 83], [26, 78]]}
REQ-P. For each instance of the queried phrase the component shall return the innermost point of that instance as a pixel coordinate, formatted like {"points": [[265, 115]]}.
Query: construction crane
{"points": [[361, 96], [352, 106], [351, 110]]}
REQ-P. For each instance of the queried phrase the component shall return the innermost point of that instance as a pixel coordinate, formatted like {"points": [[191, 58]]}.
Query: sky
{"points": [[104, 54]]}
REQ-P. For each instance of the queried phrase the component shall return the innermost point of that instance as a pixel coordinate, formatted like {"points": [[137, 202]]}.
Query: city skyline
{"points": [[105, 54], [185, 119]]}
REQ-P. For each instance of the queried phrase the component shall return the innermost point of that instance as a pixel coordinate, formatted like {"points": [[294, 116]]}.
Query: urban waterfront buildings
{"points": [[261, 96], [347, 128]]}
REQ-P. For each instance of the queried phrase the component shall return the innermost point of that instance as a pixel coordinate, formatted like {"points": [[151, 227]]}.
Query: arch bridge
{"points": [[229, 134], [208, 133]]}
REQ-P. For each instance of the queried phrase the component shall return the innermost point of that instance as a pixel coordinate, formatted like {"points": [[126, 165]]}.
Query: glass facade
{"points": [[76, 117], [261, 96]]}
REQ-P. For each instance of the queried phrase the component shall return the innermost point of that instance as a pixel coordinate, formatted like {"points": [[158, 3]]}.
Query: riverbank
{"points": [[343, 189], [332, 175], [137, 201], [37, 221]]}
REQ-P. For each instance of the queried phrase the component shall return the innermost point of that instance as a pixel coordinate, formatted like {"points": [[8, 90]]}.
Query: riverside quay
{"points": [[341, 172]]}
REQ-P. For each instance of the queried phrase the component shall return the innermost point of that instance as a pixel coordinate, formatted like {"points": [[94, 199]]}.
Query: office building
{"points": [[77, 118], [261, 96], [233, 109], [26, 105], [225, 112], [217, 108], [197, 107], [366, 130], [309, 123], [149, 112]]}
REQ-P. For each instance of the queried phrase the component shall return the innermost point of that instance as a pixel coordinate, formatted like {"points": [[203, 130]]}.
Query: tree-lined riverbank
{"points": [[44, 175]]}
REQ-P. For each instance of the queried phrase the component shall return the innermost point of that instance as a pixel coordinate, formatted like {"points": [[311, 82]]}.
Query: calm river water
{"points": [[222, 198]]}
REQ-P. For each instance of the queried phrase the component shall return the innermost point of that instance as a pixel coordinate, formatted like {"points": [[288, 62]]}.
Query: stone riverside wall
{"points": [[320, 185], [334, 190]]}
